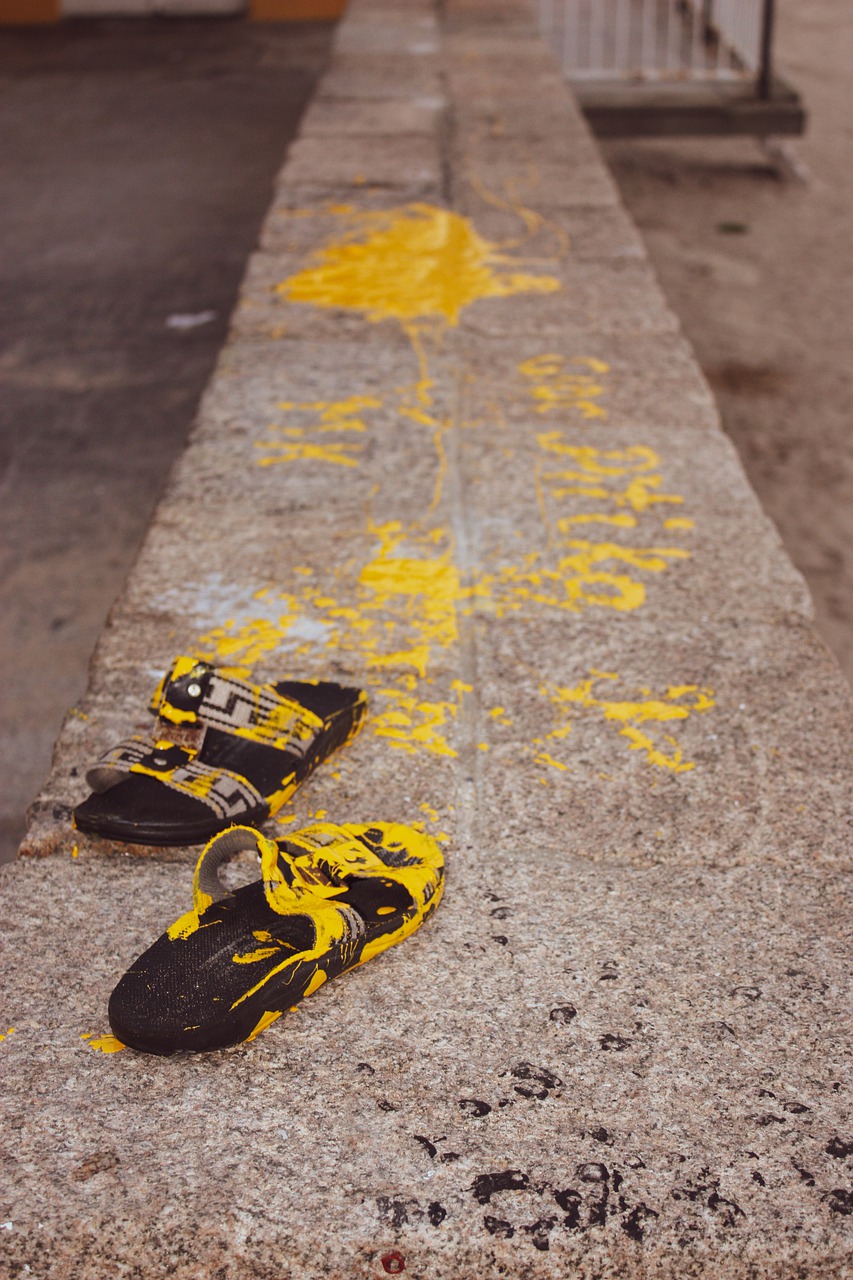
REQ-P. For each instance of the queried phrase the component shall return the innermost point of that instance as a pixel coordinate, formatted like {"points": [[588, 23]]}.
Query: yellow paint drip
{"points": [[415, 262], [252, 957], [265, 1021]]}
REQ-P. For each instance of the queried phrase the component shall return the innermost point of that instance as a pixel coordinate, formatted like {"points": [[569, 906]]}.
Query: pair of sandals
{"points": [[330, 896]]}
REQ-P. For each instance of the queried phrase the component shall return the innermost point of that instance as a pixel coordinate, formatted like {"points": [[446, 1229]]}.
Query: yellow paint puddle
{"points": [[411, 263]]}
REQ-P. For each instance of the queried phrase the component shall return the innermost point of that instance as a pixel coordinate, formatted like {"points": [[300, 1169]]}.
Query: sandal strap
{"points": [[228, 794], [194, 692], [289, 887]]}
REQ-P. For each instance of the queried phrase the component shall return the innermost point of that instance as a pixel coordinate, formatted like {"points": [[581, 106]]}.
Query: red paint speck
{"points": [[393, 1262]]}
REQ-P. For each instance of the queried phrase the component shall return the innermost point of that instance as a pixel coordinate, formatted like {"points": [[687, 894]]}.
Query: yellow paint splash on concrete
{"points": [[10, 1031], [544, 758], [410, 263], [400, 613], [102, 1044], [634, 715], [242, 642], [425, 589], [411, 724]]}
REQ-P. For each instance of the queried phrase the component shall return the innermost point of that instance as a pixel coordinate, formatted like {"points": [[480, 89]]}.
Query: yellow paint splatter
{"points": [[75, 852], [404, 612], [544, 758], [320, 418], [678, 703], [252, 957], [424, 588], [411, 263], [411, 725], [5, 1035], [102, 1044]]}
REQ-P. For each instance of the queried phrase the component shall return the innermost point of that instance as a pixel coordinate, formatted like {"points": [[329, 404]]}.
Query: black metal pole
{"points": [[765, 66]]}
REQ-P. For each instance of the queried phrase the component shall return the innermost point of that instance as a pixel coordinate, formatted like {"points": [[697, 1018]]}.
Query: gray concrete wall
{"points": [[493, 489]]}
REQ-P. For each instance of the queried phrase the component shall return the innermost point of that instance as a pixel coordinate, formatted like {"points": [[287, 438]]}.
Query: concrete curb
{"points": [[493, 489]]}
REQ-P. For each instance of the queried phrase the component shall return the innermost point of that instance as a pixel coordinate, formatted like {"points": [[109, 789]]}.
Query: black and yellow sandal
{"points": [[246, 749], [330, 898]]}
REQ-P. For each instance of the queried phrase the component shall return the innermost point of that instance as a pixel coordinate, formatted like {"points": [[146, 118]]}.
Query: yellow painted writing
{"points": [[586, 577], [292, 442], [635, 716], [553, 385]]}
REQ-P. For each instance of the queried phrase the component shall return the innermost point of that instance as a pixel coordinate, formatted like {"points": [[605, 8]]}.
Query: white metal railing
{"points": [[660, 39]]}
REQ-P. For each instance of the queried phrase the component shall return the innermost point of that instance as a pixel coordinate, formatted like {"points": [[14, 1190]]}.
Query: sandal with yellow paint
{"points": [[330, 898], [247, 748]]}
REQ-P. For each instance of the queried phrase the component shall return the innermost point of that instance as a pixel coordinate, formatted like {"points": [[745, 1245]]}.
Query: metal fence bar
{"points": [[765, 66], [697, 40]]}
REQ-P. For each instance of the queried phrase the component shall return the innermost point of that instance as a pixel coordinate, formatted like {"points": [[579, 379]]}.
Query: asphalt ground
{"points": [[137, 164]]}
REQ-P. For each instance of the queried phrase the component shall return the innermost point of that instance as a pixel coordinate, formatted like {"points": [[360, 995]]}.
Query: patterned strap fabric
{"points": [[228, 794], [194, 692]]}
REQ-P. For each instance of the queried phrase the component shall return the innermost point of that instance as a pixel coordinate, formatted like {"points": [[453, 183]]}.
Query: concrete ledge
{"points": [[620, 1047]]}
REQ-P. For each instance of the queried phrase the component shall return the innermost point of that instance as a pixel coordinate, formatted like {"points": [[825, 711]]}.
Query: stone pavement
{"points": [[456, 449]]}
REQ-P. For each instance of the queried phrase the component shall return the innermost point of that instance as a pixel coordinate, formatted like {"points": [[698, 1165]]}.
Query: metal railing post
{"points": [[765, 65]]}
